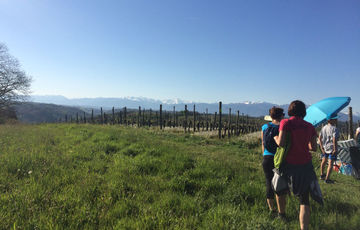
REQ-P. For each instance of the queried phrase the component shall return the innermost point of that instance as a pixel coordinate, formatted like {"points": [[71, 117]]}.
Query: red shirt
{"points": [[301, 134]]}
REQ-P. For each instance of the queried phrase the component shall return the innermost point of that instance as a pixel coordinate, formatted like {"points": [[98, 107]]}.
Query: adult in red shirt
{"points": [[298, 165]]}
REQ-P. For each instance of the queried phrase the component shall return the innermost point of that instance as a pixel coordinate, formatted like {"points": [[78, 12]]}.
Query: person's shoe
{"points": [[328, 181], [322, 177], [272, 213], [282, 217]]}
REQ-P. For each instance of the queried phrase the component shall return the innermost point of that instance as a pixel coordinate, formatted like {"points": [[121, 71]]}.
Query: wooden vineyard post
{"points": [[203, 121], [174, 118], [143, 118], [351, 129], [120, 118], [220, 108], [125, 119], [92, 116], [77, 118], [150, 113], [186, 121], [194, 125], [237, 123], [113, 116], [66, 118], [207, 119], [161, 121], [242, 123], [229, 126], [102, 116], [215, 116], [138, 117], [84, 118]]}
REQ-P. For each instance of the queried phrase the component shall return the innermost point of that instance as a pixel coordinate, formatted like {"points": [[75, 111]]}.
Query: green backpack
{"points": [[281, 152]]}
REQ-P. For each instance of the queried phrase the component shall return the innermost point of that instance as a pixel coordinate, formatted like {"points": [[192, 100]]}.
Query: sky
{"points": [[197, 50]]}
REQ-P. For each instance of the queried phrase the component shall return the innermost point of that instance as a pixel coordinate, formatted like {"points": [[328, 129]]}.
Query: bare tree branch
{"points": [[14, 83]]}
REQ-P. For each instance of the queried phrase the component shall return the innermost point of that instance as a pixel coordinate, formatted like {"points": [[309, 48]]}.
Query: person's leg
{"points": [[323, 162], [281, 203], [304, 216], [329, 169], [270, 203], [268, 165]]}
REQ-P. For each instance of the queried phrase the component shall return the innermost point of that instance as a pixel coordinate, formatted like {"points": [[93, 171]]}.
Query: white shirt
{"points": [[328, 132]]}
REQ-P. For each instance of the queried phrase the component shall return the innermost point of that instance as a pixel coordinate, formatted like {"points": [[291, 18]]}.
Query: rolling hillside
{"points": [[30, 112]]}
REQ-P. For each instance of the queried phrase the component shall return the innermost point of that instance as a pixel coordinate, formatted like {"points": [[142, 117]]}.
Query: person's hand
{"points": [[333, 152], [276, 138]]}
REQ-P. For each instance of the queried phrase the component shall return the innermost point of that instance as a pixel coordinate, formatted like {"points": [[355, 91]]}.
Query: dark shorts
{"points": [[304, 198], [329, 156], [300, 178]]}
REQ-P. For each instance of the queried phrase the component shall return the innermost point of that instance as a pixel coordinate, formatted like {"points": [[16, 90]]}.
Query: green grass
{"points": [[111, 177]]}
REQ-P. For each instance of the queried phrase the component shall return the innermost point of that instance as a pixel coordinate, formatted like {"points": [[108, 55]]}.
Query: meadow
{"points": [[68, 176]]}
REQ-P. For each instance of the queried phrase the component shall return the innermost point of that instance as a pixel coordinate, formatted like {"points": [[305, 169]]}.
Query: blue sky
{"points": [[198, 50]]}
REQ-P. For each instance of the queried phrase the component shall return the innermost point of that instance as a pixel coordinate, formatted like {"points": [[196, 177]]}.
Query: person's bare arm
{"points": [[313, 144], [357, 134], [335, 146], [321, 145], [262, 141], [280, 140]]}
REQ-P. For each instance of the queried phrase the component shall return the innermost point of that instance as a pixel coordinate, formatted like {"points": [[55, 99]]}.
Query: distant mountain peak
{"points": [[252, 102], [176, 101]]}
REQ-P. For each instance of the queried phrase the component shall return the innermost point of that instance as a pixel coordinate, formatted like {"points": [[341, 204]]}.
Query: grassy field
{"points": [[110, 177]]}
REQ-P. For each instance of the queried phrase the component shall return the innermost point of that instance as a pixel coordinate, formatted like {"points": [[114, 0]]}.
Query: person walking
{"points": [[328, 138], [269, 146], [298, 166]]}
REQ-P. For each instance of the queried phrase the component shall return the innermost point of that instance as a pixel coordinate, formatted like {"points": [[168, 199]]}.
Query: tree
{"points": [[14, 83]]}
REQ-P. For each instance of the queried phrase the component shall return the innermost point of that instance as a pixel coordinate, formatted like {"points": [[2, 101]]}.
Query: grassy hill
{"points": [[109, 177], [30, 112]]}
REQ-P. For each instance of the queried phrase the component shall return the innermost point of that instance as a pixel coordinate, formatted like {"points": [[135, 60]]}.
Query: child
{"points": [[329, 136]]}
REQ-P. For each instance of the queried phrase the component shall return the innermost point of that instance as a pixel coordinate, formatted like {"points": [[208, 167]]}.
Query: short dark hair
{"points": [[297, 108], [276, 113]]}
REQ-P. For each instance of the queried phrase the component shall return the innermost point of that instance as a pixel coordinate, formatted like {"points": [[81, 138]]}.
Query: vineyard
{"points": [[226, 125], [190, 121]]}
